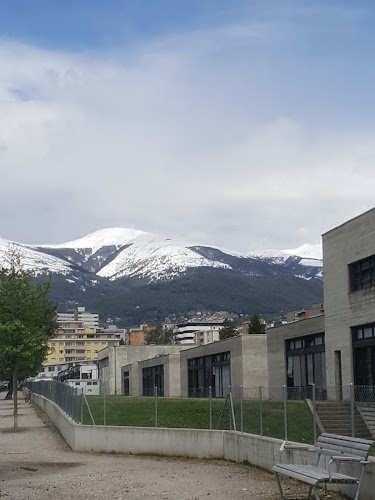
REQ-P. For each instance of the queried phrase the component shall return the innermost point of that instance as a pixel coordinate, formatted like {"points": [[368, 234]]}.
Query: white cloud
{"points": [[175, 137]]}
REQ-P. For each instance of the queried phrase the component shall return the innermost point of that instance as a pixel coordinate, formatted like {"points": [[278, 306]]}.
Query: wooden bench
{"points": [[340, 449]]}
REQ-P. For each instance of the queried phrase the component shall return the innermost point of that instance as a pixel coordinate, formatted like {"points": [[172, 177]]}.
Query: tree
{"points": [[228, 330], [256, 325], [160, 336], [27, 322]]}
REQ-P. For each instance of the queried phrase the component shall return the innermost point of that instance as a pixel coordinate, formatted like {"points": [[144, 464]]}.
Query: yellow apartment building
{"points": [[75, 342]]}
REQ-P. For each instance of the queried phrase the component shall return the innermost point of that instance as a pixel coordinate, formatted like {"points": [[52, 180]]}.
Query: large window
{"points": [[153, 377], [364, 354], [305, 358], [209, 371], [362, 274]]}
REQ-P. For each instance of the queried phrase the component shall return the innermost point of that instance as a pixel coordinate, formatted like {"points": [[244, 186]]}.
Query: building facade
{"points": [[296, 358], [239, 363], [337, 348], [161, 372], [75, 342], [90, 320], [197, 332], [112, 359], [349, 301]]}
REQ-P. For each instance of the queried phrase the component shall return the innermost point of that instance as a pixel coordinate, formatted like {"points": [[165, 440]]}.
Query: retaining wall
{"points": [[198, 443]]}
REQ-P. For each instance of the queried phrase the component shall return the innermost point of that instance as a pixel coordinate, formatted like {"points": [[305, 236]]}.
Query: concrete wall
{"points": [[255, 364], [229, 445], [121, 355], [348, 243], [276, 349]]}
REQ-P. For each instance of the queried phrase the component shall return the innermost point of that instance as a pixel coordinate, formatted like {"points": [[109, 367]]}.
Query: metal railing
{"points": [[296, 414]]}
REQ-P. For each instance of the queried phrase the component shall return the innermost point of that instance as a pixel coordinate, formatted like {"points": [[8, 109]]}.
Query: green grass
{"points": [[194, 414]]}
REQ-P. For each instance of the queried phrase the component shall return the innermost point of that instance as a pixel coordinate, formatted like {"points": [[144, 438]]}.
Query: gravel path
{"points": [[36, 463]]}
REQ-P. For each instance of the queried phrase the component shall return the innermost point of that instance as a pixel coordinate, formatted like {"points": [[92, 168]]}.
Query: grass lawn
{"points": [[194, 414]]}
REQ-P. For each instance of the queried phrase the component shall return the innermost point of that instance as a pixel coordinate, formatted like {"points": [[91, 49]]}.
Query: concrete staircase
{"points": [[367, 411], [335, 417]]}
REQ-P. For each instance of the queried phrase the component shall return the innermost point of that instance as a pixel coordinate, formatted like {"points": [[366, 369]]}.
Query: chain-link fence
{"points": [[69, 399], [292, 413]]}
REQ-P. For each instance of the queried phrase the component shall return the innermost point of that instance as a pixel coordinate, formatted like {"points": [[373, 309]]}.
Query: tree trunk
{"points": [[15, 401]]}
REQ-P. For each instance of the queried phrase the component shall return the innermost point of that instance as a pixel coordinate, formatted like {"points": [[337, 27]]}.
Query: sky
{"points": [[247, 124]]}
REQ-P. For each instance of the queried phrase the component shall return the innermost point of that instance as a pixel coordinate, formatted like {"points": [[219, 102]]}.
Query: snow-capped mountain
{"points": [[114, 236], [153, 257], [138, 276], [116, 253], [32, 260]]}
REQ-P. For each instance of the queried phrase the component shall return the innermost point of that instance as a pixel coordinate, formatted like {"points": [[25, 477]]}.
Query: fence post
{"points": [[314, 412], [230, 407], [210, 405], [352, 409], [241, 407], [261, 410], [156, 406], [104, 407], [82, 406], [285, 414], [231, 412], [89, 409]]}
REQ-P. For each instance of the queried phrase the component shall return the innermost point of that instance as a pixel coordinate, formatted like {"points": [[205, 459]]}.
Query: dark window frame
{"points": [[362, 274]]}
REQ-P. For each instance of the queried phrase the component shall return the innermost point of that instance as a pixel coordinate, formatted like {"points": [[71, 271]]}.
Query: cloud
{"points": [[182, 135]]}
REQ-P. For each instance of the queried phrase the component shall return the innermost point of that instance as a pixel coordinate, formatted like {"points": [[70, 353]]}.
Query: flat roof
{"points": [[349, 221]]}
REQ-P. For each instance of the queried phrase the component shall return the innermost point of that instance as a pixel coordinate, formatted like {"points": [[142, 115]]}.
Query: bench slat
{"points": [[342, 443], [315, 474], [295, 475], [336, 452], [346, 438]]}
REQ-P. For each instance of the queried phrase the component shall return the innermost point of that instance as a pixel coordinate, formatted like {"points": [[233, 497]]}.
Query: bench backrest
{"points": [[336, 445]]}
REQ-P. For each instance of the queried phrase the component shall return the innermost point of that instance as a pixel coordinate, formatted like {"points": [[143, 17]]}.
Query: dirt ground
{"points": [[36, 463]]}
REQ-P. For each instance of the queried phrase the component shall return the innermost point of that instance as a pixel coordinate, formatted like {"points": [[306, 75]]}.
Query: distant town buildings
{"points": [[90, 320], [74, 341], [197, 332]]}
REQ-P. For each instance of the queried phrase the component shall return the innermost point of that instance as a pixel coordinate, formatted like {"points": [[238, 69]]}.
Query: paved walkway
{"points": [[36, 463]]}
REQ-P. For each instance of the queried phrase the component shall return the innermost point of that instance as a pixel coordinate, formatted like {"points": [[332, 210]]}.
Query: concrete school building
{"points": [[336, 348], [238, 363], [329, 349]]}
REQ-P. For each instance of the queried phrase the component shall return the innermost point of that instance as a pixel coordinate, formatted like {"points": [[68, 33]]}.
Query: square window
{"points": [[367, 332]]}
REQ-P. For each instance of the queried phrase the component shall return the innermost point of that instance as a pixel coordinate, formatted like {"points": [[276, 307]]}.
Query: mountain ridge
{"points": [[149, 277]]}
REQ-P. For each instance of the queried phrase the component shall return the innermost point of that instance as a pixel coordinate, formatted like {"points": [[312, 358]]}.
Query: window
{"points": [[305, 366], [362, 274]]}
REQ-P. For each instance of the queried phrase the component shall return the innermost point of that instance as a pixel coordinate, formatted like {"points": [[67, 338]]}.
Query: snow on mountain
{"points": [[155, 257], [113, 236], [270, 255], [311, 255], [119, 252], [32, 260], [308, 251]]}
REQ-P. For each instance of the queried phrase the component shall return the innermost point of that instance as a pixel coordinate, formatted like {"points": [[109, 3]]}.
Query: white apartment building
{"points": [[90, 320], [197, 333]]}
